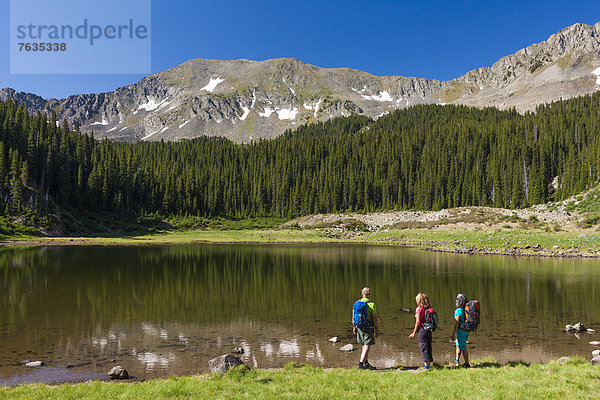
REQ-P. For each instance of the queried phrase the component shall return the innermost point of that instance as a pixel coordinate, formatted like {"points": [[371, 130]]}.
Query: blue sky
{"points": [[428, 39]]}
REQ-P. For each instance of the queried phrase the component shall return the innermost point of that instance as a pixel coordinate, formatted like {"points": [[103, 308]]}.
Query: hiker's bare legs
{"points": [[364, 356], [465, 354]]}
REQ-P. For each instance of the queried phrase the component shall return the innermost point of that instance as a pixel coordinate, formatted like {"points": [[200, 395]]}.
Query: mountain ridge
{"points": [[245, 99]]}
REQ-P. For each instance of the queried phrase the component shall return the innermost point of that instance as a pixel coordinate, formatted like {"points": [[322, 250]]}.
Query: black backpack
{"points": [[430, 322], [471, 316]]}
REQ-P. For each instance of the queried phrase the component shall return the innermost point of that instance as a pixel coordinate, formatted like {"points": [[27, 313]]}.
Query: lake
{"points": [[166, 310]]}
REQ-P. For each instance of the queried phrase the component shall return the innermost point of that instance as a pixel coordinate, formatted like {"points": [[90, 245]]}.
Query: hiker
{"points": [[424, 326], [365, 326], [459, 334]]}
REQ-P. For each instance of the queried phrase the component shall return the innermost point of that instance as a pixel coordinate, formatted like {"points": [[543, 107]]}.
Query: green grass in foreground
{"points": [[577, 379]]}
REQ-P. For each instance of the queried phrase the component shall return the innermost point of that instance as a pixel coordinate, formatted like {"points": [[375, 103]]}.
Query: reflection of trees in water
{"points": [[73, 292]]}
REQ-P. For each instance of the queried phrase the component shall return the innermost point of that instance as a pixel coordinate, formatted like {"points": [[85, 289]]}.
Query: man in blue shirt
{"points": [[366, 335]]}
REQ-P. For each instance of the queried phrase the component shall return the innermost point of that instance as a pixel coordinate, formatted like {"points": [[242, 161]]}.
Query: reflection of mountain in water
{"points": [[169, 309]]}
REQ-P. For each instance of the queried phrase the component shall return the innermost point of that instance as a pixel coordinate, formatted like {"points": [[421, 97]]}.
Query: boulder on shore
{"points": [[334, 339], [223, 363], [596, 353], [238, 350], [595, 343], [118, 372], [596, 360]]}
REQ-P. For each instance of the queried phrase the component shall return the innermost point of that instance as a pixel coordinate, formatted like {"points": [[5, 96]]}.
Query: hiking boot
{"points": [[366, 365], [360, 366], [467, 365]]}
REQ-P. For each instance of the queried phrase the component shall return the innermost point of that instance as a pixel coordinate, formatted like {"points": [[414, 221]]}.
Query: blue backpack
{"points": [[361, 314]]}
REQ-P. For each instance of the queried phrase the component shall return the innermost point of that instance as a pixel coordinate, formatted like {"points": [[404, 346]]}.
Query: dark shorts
{"points": [[365, 335]]}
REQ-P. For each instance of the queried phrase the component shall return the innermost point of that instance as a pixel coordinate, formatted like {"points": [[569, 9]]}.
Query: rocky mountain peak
{"points": [[246, 100]]}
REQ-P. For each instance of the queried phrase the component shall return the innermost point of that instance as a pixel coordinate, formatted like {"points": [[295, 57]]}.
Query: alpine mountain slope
{"points": [[245, 100]]}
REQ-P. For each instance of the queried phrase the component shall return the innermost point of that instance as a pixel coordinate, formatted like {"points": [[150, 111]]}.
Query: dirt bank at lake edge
{"points": [[544, 230], [512, 242]]}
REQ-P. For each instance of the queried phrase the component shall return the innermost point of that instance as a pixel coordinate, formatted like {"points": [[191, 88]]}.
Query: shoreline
{"points": [[518, 243], [566, 377]]}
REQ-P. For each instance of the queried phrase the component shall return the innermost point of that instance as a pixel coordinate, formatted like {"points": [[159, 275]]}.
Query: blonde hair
{"points": [[422, 300]]}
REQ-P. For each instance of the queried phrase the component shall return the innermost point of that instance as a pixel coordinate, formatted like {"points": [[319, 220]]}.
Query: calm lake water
{"points": [[161, 311]]}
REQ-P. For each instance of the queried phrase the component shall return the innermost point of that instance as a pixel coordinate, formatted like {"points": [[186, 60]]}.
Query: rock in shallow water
{"points": [[334, 339], [578, 327], [595, 343], [596, 360], [347, 347], [34, 363], [223, 363], [596, 353], [237, 350], [118, 372]]}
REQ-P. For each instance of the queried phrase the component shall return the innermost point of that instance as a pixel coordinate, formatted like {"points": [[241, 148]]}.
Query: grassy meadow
{"points": [[575, 379]]}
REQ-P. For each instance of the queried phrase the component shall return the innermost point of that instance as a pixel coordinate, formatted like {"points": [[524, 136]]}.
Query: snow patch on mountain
{"points": [[597, 73], [153, 104], [313, 107], [282, 113], [155, 132], [212, 84], [317, 107], [246, 112], [267, 113], [104, 122], [382, 96], [287, 113], [381, 115], [151, 134]]}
